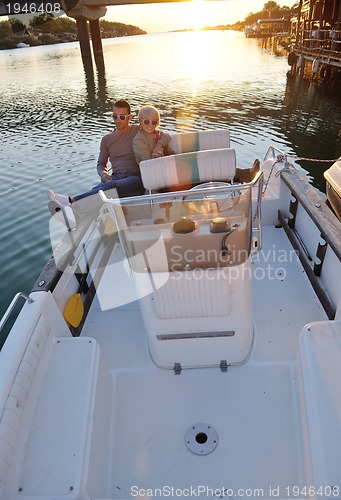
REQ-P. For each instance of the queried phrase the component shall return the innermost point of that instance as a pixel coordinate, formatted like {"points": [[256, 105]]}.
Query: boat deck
{"points": [[253, 406], [246, 403]]}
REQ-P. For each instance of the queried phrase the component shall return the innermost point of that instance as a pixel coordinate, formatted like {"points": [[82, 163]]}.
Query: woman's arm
{"points": [[141, 148]]}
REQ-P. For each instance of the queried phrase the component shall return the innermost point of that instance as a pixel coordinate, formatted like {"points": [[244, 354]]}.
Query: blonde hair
{"points": [[148, 110]]}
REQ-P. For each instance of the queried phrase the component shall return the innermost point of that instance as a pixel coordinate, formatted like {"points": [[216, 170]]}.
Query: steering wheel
{"points": [[208, 197], [209, 184], [213, 184]]}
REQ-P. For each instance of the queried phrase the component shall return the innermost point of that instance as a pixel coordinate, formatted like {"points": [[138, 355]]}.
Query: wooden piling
{"points": [[83, 37]]}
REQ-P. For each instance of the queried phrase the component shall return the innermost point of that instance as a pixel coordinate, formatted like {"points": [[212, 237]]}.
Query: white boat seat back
{"points": [[198, 141], [188, 168], [318, 370]]}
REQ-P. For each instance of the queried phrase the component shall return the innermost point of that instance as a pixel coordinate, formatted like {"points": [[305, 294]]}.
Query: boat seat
{"points": [[184, 170], [319, 374], [185, 142], [64, 450], [197, 318], [18, 395]]}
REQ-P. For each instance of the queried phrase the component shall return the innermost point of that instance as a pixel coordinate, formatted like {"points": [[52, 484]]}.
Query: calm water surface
{"points": [[53, 115]]}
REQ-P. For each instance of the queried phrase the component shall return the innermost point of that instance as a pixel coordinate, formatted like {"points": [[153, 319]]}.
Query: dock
{"points": [[316, 39]]}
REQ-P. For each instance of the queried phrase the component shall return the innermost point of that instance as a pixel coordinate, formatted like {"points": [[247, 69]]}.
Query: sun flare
{"points": [[197, 13], [196, 55]]}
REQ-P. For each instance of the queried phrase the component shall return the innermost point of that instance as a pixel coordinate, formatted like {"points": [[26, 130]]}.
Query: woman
{"points": [[149, 142]]}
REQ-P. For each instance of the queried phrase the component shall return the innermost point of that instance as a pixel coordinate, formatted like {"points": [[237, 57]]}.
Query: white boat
{"points": [[249, 31], [207, 362], [22, 45], [333, 185]]}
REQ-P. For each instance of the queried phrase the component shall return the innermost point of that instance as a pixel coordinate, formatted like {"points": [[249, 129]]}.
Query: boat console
{"points": [[196, 231], [189, 254]]}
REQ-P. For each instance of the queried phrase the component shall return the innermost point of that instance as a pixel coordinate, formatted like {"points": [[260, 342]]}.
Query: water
{"points": [[53, 114]]}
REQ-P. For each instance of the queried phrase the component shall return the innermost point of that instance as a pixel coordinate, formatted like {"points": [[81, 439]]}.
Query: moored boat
{"points": [[333, 187], [249, 31], [22, 45], [206, 358]]}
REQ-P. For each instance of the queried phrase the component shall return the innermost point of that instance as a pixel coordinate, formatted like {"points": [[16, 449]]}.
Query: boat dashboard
{"points": [[201, 228]]}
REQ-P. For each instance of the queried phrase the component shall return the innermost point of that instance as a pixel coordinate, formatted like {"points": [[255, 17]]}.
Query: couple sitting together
{"points": [[125, 148]]}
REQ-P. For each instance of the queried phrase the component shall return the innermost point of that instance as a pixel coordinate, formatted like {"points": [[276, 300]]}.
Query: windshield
{"points": [[203, 228]]}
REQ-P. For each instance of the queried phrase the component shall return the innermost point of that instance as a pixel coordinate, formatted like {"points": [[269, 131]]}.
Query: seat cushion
{"points": [[188, 168], [199, 141]]}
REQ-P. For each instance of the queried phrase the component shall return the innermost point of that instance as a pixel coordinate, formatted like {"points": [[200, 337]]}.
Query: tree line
{"points": [[46, 29]]}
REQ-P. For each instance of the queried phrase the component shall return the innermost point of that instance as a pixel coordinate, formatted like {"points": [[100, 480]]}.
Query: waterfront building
{"points": [[316, 39]]}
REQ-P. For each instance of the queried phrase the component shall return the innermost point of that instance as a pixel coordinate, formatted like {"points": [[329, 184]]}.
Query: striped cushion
{"points": [[188, 168], [199, 141]]}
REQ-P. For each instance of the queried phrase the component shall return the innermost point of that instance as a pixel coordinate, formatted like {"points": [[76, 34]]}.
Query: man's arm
{"points": [[162, 142], [102, 161], [165, 139]]}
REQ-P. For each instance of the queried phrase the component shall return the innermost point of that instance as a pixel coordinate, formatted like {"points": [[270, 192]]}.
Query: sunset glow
{"points": [[197, 12], [156, 17]]}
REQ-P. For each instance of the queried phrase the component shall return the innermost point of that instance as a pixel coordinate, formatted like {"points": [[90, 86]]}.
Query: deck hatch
{"points": [[201, 439], [195, 335]]}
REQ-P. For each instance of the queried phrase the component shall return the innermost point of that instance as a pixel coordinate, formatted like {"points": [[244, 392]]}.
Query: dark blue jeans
{"points": [[126, 185]]}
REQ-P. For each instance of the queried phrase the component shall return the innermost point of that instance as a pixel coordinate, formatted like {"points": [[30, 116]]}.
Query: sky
{"points": [[157, 17]]}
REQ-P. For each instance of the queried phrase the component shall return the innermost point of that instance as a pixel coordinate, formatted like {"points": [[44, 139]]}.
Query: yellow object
{"points": [[109, 227], [74, 310]]}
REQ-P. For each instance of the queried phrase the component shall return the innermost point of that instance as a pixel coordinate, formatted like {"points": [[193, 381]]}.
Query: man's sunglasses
{"points": [[121, 117], [147, 122]]}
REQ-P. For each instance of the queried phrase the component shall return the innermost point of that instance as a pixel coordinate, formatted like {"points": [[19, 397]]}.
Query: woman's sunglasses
{"points": [[147, 122], [121, 117]]}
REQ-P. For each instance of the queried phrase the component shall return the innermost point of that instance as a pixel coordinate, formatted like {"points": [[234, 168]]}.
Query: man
{"points": [[117, 146]]}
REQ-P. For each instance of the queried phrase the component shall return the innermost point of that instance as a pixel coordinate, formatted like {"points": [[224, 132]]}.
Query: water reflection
{"points": [[312, 123], [96, 85]]}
